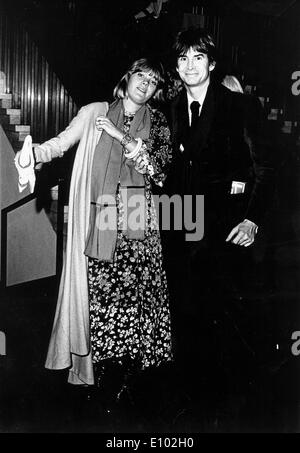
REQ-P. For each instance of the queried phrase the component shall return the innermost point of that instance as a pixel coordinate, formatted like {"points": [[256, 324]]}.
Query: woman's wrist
{"points": [[126, 139], [36, 156], [129, 143], [38, 163], [132, 154]]}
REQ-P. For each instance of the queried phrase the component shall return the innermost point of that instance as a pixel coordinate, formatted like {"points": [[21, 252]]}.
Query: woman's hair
{"points": [[198, 39], [155, 68], [232, 83]]}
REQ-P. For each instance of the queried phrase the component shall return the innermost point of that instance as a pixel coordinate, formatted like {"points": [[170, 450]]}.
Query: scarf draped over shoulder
{"points": [[110, 169]]}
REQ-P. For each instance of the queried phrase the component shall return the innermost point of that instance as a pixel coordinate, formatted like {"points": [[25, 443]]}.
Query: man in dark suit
{"points": [[218, 153]]}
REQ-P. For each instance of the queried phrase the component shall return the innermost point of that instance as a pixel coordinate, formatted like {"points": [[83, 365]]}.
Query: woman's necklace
{"points": [[127, 113]]}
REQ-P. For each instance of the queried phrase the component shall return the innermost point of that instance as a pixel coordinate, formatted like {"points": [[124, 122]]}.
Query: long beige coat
{"points": [[70, 339]]}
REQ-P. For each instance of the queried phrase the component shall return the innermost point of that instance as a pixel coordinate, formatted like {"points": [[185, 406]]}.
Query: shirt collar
{"points": [[200, 99]]}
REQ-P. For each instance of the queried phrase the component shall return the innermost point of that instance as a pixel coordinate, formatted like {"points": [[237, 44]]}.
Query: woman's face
{"points": [[141, 87]]}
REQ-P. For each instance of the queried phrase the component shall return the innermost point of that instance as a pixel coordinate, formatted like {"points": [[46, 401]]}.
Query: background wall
{"points": [[31, 240], [89, 44]]}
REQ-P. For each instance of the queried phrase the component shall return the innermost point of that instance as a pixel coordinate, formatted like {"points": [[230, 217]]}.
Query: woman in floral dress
{"points": [[113, 304], [129, 304]]}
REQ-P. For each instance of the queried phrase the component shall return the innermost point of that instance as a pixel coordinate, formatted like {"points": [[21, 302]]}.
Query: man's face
{"points": [[194, 68]]}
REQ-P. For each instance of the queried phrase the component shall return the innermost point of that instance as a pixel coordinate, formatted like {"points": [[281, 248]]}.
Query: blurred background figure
{"points": [[232, 83]]}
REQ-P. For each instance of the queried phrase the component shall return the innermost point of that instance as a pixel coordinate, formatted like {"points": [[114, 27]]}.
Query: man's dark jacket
{"points": [[226, 145]]}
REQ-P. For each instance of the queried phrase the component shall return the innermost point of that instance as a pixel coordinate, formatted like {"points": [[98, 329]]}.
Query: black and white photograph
{"points": [[150, 219]]}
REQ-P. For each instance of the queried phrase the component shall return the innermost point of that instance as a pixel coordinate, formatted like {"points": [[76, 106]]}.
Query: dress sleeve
{"points": [[156, 152], [57, 146]]}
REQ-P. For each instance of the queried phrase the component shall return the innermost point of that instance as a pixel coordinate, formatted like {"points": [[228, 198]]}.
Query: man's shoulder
{"points": [[232, 103], [222, 92]]}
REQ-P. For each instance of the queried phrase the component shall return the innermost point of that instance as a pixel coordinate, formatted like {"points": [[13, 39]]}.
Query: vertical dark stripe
{"points": [[3, 247], [45, 105]]}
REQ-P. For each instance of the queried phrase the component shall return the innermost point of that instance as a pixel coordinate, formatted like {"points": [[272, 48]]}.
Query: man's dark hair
{"points": [[197, 38]]}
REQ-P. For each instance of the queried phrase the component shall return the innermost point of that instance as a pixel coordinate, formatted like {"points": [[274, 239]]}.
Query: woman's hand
{"points": [[140, 164], [104, 123]]}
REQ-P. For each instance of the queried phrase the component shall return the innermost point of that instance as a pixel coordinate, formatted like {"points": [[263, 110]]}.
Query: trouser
{"points": [[203, 279]]}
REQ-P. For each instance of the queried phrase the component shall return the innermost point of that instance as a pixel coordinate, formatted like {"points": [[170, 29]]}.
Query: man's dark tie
{"points": [[195, 106]]}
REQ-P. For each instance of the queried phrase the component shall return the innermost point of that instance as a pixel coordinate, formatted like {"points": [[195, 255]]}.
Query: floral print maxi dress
{"points": [[129, 302]]}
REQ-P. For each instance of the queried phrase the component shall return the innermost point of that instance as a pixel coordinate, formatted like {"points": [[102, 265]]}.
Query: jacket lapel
{"points": [[180, 121], [192, 143]]}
